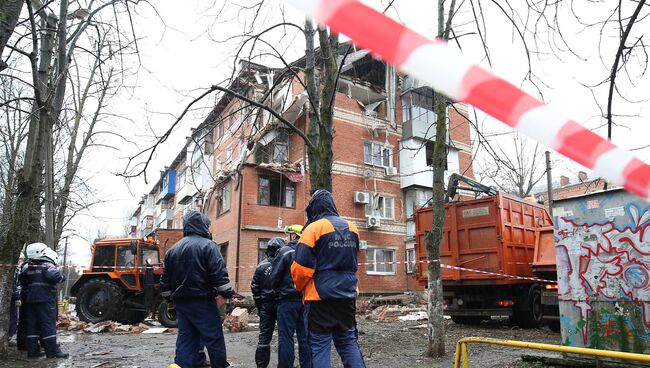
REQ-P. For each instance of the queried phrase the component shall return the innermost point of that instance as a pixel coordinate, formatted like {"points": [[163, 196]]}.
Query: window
{"points": [[125, 259], [276, 191], [104, 258], [223, 199], [228, 154], [274, 147], [220, 131], [218, 164], [231, 119], [149, 254], [410, 260], [181, 179], [374, 259], [376, 154], [381, 206], [262, 244]]}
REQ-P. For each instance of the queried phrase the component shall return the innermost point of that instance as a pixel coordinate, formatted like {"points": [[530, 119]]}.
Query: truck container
{"points": [[495, 234]]}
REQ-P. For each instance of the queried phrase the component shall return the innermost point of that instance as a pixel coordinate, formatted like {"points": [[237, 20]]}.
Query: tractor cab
{"points": [[122, 283]]}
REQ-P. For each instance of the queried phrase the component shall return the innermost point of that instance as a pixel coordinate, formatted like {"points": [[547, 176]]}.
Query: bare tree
{"points": [[47, 43], [516, 165]]}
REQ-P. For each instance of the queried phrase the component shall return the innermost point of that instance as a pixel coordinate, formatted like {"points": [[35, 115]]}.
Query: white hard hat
{"points": [[40, 251]]}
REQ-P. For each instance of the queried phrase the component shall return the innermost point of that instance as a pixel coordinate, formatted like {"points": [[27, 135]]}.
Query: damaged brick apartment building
{"points": [[248, 173]]}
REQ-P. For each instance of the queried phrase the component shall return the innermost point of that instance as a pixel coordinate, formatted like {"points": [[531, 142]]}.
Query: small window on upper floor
{"points": [[381, 206], [273, 147], [377, 154], [223, 199]]}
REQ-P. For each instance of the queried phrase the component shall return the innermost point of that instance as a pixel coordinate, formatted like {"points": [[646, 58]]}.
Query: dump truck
{"points": [[123, 281], [496, 234]]}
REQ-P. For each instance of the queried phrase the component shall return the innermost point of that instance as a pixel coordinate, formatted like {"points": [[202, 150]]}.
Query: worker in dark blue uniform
{"points": [[194, 274], [266, 303], [325, 270], [291, 313], [38, 282]]}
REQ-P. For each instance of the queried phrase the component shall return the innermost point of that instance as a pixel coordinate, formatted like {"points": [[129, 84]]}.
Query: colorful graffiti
{"points": [[603, 271]]}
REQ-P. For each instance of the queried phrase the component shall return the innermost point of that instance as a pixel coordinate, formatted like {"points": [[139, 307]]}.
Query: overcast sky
{"points": [[180, 55]]}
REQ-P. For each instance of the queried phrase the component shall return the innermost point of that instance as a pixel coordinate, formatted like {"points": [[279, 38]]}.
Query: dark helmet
{"points": [[274, 246]]}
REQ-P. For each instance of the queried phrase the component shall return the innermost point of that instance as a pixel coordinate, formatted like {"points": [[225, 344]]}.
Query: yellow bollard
{"points": [[465, 354]]}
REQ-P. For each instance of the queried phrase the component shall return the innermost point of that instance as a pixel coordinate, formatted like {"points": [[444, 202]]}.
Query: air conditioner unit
{"points": [[363, 244], [372, 222], [390, 171], [361, 197]]}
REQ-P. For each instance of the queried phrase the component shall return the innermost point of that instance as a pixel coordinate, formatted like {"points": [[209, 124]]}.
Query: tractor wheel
{"points": [[467, 320], [132, 317], [167, 317], [531, 316], [99, 300]]}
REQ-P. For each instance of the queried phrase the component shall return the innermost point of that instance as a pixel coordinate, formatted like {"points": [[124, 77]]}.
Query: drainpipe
{"points": [[239, 205]]}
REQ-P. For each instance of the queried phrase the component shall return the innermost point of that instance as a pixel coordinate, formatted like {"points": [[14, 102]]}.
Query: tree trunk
{"points": [[23, 225], [436, 327], [9, 13], [320, 130]]}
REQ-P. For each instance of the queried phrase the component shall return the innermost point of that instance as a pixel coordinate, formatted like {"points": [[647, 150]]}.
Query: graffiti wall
{"points": [[603, 266]]}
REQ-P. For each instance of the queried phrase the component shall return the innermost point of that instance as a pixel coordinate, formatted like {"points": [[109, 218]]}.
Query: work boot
{"points": [[59, 355], [35, 354]]}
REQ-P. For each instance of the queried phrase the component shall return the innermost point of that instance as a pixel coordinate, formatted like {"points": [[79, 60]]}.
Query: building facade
{"points": [[249, 173]]}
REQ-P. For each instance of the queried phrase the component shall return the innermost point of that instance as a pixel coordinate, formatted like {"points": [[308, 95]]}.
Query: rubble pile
{"points": [[71, 323], [236, 321], [403, 307]]}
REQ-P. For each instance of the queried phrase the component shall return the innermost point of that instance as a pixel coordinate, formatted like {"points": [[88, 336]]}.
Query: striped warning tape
{"points": [[436, 64], [158, 267]]}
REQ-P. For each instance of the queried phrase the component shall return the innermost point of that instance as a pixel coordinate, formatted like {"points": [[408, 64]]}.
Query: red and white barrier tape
{"points": [[126, 269], [434, 63]]}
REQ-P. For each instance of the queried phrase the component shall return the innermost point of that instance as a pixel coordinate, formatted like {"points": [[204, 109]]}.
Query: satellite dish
{"points": [[367, 174]]}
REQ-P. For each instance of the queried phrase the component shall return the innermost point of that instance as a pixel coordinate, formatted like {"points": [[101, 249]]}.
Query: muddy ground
{"points": [[384, 344]]}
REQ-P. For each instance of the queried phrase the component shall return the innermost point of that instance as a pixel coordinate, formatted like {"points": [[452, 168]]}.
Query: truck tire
{"points": [[467, 320], [531, 315], [99, 300], [132, 317], [166, 317]]}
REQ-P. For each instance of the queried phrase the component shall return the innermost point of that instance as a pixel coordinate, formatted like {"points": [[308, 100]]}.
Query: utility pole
{"points": [[549, 184]]}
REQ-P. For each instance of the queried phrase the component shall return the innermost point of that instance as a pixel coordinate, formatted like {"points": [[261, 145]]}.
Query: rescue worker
{"points": [[266, 303], [325, 270], [21, 333], [194, 274], [14, 305], [291, 315], [38, 282]]}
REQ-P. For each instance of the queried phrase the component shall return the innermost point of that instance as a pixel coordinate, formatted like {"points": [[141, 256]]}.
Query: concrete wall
{"points": [[603, 266]]}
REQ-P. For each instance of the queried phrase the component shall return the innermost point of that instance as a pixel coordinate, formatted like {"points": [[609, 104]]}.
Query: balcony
{"points": [[166, 214], [168, 185], [148, 211]]}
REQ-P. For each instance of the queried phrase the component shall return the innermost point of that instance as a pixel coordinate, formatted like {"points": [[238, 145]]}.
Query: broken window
{"points": [[410, 260], [380, 206], [277, 191], [376, 154], [273, 147]]}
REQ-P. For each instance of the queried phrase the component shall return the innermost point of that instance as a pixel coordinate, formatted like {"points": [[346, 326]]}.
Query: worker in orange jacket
{"points": [[325, 271]]}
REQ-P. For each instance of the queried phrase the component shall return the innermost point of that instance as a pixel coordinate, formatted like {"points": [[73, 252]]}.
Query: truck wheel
{"points": [[467, 320], [99, 300], [531, 317], [167, 317], [132, 317]]}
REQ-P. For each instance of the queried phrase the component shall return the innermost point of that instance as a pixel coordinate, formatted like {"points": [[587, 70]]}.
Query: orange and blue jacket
{"points": [[326, 256]]}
